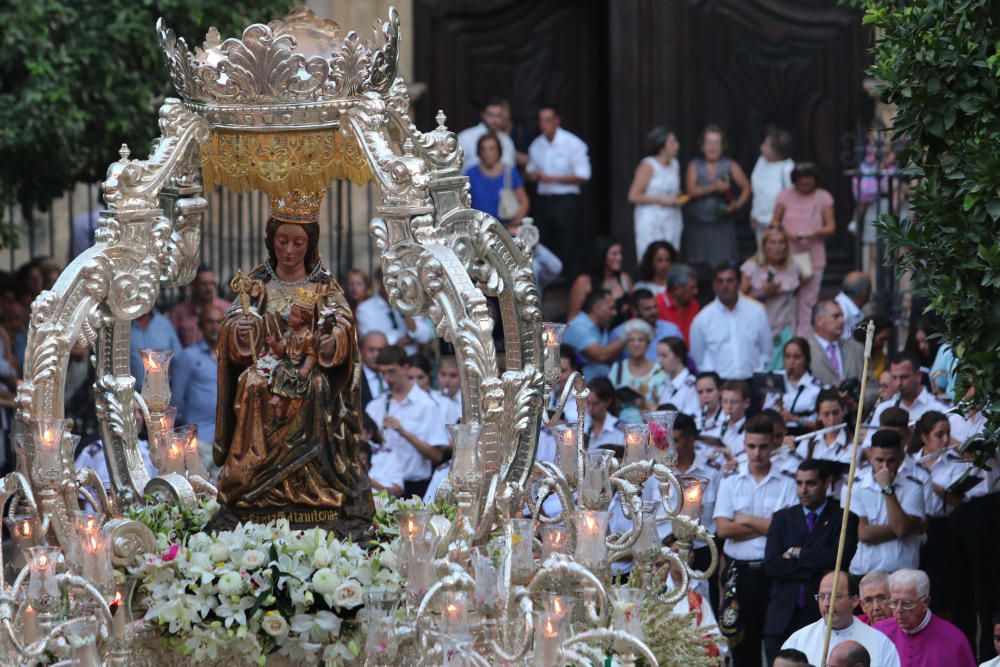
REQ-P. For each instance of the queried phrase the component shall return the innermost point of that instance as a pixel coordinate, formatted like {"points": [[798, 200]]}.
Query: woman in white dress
{"points": [[656, 192]]}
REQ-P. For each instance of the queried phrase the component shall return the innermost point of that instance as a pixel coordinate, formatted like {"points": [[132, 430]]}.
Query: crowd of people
{"points": [[762, 368]]}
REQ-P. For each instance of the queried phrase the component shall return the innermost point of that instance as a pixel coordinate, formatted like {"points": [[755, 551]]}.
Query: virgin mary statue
{"points": [[293, 455]]}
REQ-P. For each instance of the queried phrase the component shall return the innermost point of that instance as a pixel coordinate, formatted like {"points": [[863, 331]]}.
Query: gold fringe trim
{"points": [[280, 162]]}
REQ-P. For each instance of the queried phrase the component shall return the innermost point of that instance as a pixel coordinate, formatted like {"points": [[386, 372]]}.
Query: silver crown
{"points": [[294, 73]]}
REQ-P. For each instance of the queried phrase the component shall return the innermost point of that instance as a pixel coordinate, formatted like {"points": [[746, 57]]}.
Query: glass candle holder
{"points": [[466, 467], [552, 336], [560, 608], [43, 589], [156, 381], [455, 614], [187, 435], [522, 560], [486, 576], [591, 531], [176, 455], [636, 444], [626, 610], [647, 546], [121, 609], [567, 452], [547, 641], [25, 531], [161, 436], [90, 553], [555, 539], [693, 487], [595, 489], [661, 435], [81, 635], [47, 463], [380, 624]]}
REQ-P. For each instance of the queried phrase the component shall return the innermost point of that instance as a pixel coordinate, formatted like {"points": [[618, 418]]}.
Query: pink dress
{"points": [[804, 215]]}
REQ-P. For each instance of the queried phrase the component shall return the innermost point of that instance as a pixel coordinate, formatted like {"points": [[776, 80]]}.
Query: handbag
{"points": [[804, 259], [508, 206]]}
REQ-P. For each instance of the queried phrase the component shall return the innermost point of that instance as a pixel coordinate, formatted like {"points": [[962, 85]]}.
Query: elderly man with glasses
{"points": [[921, 638], [846, 626]]}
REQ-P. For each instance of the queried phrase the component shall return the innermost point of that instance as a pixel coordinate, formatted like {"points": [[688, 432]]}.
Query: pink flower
{"points": [[170, 553], [658, 436]]}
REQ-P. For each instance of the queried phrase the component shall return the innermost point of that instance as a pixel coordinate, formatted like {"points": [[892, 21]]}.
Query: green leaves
{"points": [[78, 79], [939, 62]]}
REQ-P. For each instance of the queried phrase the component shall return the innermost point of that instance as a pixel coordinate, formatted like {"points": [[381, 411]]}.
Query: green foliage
{"points": [[939, 61], [78, 79]]}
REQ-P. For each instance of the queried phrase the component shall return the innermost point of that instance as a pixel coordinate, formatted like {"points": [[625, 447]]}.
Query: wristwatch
{"points": [[888, 490]]}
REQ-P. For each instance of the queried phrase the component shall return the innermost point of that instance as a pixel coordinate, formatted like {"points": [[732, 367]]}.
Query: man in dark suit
{"points": [[801, 548]]}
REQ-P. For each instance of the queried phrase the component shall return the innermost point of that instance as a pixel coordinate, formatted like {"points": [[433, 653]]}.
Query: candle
{"points": [[567, 451], [455, 618], [559, 608], [156, 383], [47, 465], [595, 491], [380, 624], [187, 437], [82, 637], [487, 594], [591, 530], [161, 436], [693, 488], [636, 442], [24, 530], [626, 608], [466, 472], [555, 539], [29, 625], [176, 454], [90, 551], [43, 589], [522, 560], [547, 641], [552, 335]]}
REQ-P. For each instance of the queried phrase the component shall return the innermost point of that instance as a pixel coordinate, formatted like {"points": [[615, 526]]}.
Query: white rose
{"points": [[325, 581], [218, 552], [252, 559], [274, 624], [200, 542], [321, 557], [348, 594], [230, 583]]}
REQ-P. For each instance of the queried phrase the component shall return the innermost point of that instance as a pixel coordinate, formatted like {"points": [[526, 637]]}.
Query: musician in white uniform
{"points": [[735, 403], [797, 402], [680, 387]]}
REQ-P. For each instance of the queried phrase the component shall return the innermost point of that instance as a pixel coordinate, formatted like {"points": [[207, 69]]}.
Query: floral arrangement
{"points": [[260, 588], [327, 319], [388, 509], [675, 639], [658, 436]]}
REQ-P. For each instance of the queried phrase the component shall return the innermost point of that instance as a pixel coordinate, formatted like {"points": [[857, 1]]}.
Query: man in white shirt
{"points": [[771, 175], [735, 403], [491, 120], [412, 425], [855, 292], [731, 335], [373, 386], [995, 662], [560, 164], [845, 626], [743, 509], [890, 510], [448, 395], [910, 392]]}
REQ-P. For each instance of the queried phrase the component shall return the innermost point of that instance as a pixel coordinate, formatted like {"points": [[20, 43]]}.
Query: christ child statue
{"points": [[296, 351]]}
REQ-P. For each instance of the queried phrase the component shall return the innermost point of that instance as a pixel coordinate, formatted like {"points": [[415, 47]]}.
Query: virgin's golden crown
{"points": [[298, 206], [304, 298]]}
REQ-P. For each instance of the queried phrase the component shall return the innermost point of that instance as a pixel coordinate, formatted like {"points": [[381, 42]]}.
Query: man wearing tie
{"points": [[372, 384], [833, 360], [801, 547]]}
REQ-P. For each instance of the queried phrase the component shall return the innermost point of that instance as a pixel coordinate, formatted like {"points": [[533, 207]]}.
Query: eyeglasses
{"points": [[878, 599], [825, 597], [905, 605]]}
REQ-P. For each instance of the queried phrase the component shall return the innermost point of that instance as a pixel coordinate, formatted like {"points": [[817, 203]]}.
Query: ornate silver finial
{"points": [[408, 147], [124, 152], [441, 118]]}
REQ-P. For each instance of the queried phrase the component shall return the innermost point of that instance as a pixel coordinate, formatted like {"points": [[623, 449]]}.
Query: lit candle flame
{"points": [[43, 560], [693, 495], [452, 609], [26, 528], [557, 606], [589, 521], [175, 451], [550, 629], [192, 444], [49, 437]]}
